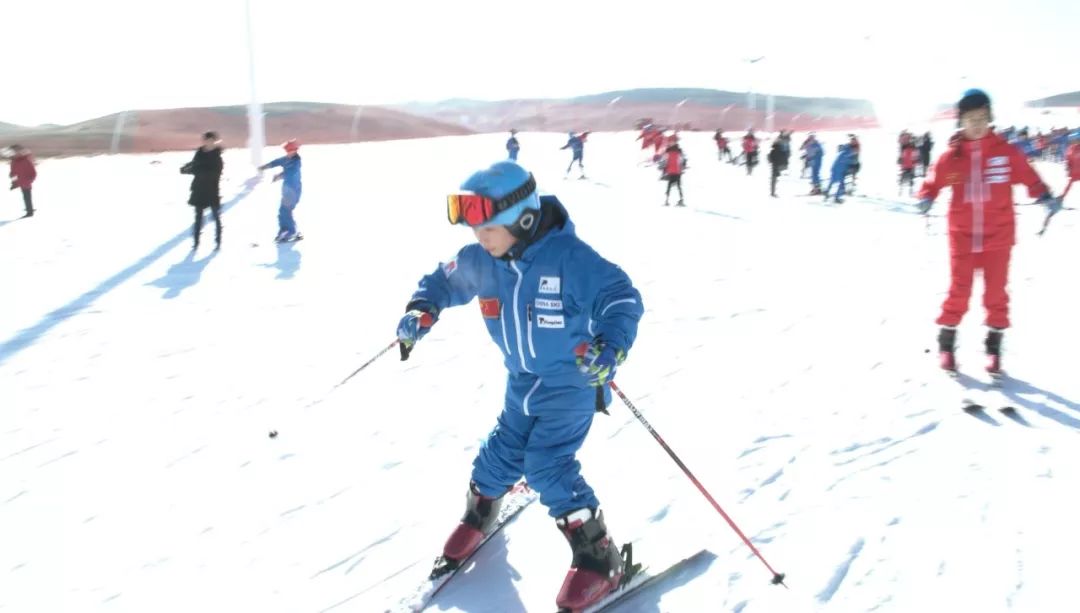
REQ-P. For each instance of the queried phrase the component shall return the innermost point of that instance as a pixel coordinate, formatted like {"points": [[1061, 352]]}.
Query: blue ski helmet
{"points": [[499, 180]]}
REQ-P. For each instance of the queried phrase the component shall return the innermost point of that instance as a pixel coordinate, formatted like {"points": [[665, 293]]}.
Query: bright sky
{"points": [[69, 60]]}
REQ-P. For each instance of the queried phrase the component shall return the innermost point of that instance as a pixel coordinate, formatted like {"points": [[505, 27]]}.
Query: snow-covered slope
{"points": [[783, 355]]}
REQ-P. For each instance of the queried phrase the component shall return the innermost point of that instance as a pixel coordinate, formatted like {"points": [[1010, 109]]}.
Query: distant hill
{"points": [[178, 129], [1069, 99], [704, 108]]}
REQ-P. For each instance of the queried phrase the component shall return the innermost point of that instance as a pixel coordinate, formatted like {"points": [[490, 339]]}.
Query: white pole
{"points": [[770, 107], [678, 106], [355, 119], [118, 130], [610, 105], [256, 126], [750, 102]]}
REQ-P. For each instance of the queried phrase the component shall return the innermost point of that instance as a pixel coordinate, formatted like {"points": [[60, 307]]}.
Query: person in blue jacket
{"points": [[576, 144], [512, 145], [815, 153], [290, 190], [564, 319], [839, 171]]}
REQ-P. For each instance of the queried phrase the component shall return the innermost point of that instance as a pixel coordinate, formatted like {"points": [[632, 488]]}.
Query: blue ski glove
{"points": [[597, 361], [413, 326], [1052, 204], [924, 205]]}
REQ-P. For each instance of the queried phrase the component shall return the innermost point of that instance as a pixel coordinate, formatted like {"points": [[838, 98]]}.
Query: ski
{"points": [[1046, 222], [979, 395], [635, 578], [514, 502]]}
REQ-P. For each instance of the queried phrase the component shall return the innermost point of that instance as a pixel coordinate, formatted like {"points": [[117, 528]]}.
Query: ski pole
{"points": [[366, 364], [1049, 215], [273, 433], [778, 578]]}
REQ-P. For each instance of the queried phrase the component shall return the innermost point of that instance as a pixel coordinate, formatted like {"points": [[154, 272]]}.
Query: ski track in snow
{"points": [[785, 365], [841, 572]]}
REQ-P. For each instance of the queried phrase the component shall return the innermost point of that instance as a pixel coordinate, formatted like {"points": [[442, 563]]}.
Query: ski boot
{"points": [[597, 567], [947, 349], [480, 514], [680, 203], [993, 352]]}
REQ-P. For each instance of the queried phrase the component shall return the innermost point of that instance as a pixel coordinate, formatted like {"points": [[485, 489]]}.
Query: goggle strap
{"points": [[514, 197]]}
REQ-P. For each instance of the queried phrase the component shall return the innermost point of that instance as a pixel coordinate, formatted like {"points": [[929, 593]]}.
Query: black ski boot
{"points": [[946, 339], [993, 352], [597, 567]]}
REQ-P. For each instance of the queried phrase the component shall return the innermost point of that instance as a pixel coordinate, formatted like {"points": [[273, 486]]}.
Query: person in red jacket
{"points": [[672, 165], [750, 150], [22, 175], [909, 157], [722, 146], [1072, 166], [981, 168]]}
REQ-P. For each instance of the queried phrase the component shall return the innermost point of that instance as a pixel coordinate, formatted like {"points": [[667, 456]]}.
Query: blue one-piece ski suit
{"points": [[538, 306], [839, 170], [576, 144], [290, 192]]}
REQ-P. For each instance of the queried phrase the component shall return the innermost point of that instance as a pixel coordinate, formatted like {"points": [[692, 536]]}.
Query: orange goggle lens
{"points": [[471, 209]]}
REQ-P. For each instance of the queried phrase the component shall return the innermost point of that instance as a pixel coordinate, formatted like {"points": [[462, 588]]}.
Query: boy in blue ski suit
{"points": [[839, 171], [564, 319], [576, 144], [512, 145], [290, 190]]}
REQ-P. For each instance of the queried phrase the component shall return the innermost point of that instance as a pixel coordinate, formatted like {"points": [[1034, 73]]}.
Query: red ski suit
{"points": [[1072, 161], [22, 171], [1072, 166], [982, 219]]}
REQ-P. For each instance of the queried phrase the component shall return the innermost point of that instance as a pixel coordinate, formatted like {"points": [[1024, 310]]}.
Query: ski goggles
{"points": [[474, 210]]}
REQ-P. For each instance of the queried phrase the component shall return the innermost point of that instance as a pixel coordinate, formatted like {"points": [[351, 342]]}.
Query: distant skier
{"points": [[909, 158], [840, 169], [512, 145], [23, 173], [576, 144], [750, 150], [647, 137], [981, 168], [722, 147], [206, 166], [779, 154], [803, 156], [855, 147], [926, 145], [564, 318], [672, 166], [814, 153], [1072, 166], [291, 188]]}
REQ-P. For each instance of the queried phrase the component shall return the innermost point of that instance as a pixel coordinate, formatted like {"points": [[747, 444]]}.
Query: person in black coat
{"points": [[778, 160], [926, 145], [206, 167]]}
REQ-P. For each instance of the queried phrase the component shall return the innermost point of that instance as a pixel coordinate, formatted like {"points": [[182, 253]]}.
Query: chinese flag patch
{"points": [[489, 307]]}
